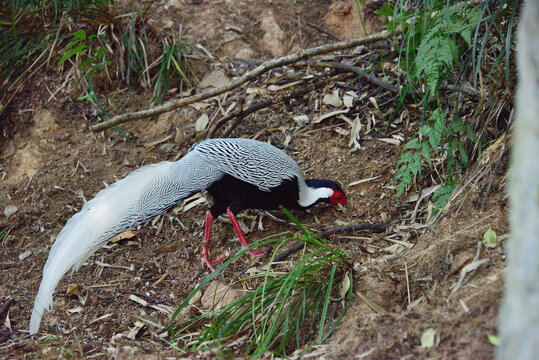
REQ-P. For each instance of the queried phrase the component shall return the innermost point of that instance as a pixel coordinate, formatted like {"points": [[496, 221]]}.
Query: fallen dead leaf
{"points": [[10, 210], [427, 339], [125, 235], [219, 295]]}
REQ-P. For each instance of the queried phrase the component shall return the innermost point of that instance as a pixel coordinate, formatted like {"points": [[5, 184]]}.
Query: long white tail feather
{"points": [[142, 194]]}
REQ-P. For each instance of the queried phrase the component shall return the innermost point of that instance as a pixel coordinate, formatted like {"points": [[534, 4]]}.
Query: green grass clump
{"points": [[287, 310], [108, 46]]}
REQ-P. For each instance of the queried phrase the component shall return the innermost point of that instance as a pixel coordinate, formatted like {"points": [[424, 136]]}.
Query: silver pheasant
{"points": [[238, 173]]}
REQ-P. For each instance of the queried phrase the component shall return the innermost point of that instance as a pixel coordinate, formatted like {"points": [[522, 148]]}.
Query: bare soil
{"points": [[404, 282]]}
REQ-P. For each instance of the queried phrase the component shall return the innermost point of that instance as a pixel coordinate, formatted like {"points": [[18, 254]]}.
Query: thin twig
{"points": [[252, 74], [292, 249], [407, 283], [383, 84]]}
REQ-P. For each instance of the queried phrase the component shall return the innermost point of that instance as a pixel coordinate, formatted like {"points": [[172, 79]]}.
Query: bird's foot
{"points": [[257, 253], [211, 263]]}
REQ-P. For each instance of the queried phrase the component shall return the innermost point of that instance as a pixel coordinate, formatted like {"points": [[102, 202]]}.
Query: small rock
{"points": [[301, 119], [10, 210], [333, 100], [202, 122], [214, 79], [274, 39], [24, 255]]}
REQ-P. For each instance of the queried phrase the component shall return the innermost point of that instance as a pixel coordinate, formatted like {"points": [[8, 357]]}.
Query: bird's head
{"points": [[322, 191]]}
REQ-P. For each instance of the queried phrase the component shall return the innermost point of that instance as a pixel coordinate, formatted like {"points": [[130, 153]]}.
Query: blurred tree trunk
{"points": [[519, 319]]}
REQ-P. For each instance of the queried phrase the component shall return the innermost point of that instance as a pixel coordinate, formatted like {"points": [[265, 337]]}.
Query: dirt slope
{"points": [[51, 163]]}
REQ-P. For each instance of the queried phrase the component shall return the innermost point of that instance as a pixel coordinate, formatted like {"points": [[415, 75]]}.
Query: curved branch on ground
{"points": [[324, 234], [471, 92], [266, 66]]}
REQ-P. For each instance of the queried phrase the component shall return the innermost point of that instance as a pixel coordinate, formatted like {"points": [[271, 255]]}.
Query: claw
{"points": [[257, 253], [211, 263]]}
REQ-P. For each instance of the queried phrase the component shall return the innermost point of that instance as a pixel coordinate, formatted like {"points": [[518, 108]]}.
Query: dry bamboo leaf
{"points": [[332, 99], [202, 122], [138, 300], [192, 204], [301, 119], [390, 141], [75, 310], [348, 101], [7, 322], [101, 318], [342, 131], [427, 339], [257, 91], [200, 105], [464, 306], [285, 86], [344, 286], [195, 297], [218, 295], [372, 304], [125, 235], [374, 102], [465, 270], [24, 255], [102, 264], [185, 204], [10, 210], [363, 180], [169, 310], [73, 289], [136, 329], [424, 193], [328, 115]]}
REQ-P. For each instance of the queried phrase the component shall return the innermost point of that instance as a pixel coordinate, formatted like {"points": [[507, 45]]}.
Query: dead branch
{"points": [[354, 227], [324, 234], [268, 65], [383, 84]]}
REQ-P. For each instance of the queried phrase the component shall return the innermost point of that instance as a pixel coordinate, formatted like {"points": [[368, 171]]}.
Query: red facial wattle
{"points": [[337, 198]]}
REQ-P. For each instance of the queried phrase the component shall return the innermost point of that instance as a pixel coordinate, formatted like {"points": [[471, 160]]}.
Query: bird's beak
{"points": [[341, 208]]}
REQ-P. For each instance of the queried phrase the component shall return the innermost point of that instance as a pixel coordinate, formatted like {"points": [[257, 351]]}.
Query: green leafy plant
{"points": [[447, 42], [287, 309], [438, 50], [435, 138]]}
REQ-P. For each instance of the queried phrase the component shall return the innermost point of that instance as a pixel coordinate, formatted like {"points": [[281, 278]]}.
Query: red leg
{"points": [[206, 248], [254, 252]]}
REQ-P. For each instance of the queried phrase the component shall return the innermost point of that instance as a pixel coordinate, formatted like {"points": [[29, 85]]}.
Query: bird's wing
{"points": [[252, 161]]}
